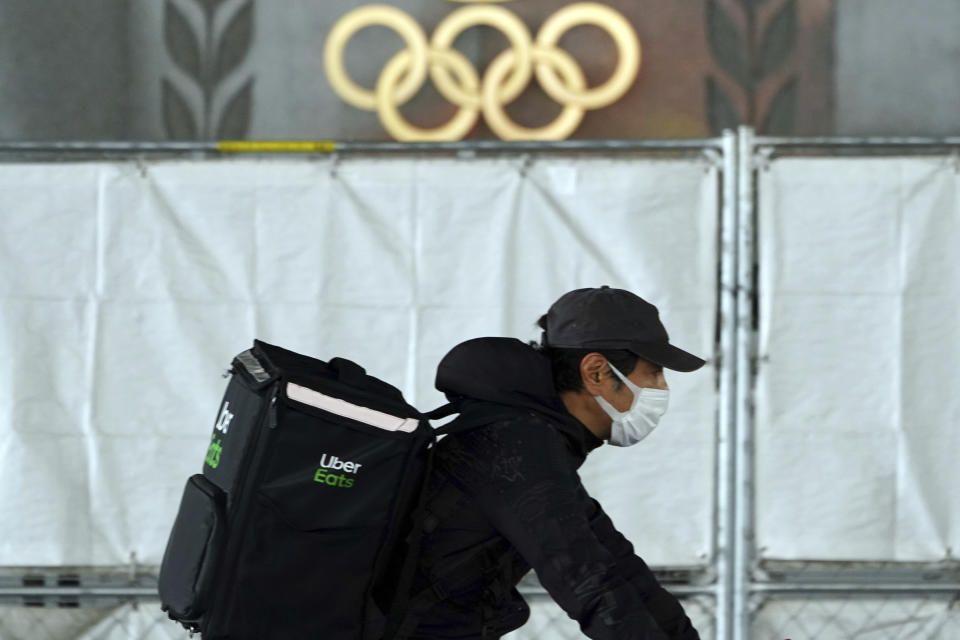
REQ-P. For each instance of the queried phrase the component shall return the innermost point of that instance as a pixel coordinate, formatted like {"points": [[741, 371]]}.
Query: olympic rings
{"points": [[368, 16], [628, 52], [568, 120], [499, 18], [503, 81], [399, 128]]}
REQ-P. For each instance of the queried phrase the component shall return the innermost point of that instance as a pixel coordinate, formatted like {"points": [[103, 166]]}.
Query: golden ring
{"points": [[366, 16], [499, 18], [628, 48], [395, 123], [501, 124]]}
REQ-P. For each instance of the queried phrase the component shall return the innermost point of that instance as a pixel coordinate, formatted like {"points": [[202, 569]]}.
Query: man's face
{"points": [[645, 375], [599, 380]]}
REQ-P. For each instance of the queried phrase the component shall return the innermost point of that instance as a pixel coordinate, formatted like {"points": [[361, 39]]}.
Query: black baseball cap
{"points": [[608, 318]]}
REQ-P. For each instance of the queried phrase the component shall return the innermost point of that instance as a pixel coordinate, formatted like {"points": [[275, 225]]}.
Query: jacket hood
{"points": [[508, 372]]}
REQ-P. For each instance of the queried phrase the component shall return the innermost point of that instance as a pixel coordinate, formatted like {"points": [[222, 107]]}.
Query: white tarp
{"points": [[858, 415], [126, 289]]}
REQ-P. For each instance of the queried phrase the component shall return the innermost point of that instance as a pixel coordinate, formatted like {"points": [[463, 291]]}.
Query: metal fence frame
{"points": [[736, 579], [103, 586], [753, 583]]}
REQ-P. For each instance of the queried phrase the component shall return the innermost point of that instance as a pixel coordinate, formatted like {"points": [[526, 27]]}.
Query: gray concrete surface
{"points": [[897, 67], [63, 70]]}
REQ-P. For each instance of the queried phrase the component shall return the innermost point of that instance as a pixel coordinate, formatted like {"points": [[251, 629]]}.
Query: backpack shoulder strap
{"points": [[442, 411], [393, 624], [466, 423], [475, 417]]}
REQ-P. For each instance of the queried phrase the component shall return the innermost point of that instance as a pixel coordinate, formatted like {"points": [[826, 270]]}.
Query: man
{"points": [[505, 497]]}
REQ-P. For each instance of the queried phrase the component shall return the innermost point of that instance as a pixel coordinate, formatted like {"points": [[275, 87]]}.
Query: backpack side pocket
{"points": [[190, 561]]}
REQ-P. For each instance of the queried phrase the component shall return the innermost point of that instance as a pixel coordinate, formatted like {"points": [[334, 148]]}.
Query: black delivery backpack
{"points": [[309, 493]]}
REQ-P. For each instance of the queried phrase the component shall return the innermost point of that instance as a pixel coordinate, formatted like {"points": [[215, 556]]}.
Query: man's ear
{"points": [[593, 368]]}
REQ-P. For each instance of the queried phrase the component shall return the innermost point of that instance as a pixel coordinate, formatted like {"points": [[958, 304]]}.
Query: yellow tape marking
{"points": [[270, 146]]}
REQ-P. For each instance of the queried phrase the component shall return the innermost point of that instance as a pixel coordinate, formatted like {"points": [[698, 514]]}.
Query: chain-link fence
{"points": [[861, 600], [856, 617], [547, 620], [136, 620], [840, 598]]}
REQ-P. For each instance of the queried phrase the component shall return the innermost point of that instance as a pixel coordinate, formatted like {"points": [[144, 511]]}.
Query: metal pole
{"points": [[743, 538], [724, 527], [329, 146], [850, 141], [117, 146], [76, 592], [675, 589], [150, 593], [901, 588], [691, 144]]}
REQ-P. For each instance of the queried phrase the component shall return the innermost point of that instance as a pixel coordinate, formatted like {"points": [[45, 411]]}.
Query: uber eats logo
{"points": [[330, 464], [213, 453], [216, 448]]}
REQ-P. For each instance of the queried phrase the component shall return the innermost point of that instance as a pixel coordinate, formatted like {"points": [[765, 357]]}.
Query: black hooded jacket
{"points": [[506, 497]]}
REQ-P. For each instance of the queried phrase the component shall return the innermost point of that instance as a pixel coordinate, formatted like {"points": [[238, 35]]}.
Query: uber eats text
{"points": [[328, 464], [213, 453]]}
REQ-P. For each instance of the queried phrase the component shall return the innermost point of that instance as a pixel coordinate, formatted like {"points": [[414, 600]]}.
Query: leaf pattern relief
{"points": [[236, 115], [727, 45], [207, 64], [178, 120], [778, 38], [751, 57], [210, 6], [181, 41], [235, 42], [782, 112], [721, 112]]}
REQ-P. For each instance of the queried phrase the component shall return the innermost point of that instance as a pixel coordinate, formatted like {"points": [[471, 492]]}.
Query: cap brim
{"points": [[669, 356]]}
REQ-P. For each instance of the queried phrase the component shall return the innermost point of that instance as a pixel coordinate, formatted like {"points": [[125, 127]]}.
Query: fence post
{"points": [[743, 456]]}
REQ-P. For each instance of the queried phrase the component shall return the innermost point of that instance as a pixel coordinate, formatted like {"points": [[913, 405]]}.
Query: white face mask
{"points": [[632, 426]]}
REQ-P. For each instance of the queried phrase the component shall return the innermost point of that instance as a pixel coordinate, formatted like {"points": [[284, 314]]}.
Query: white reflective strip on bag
{"points": [[349, 410]]}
